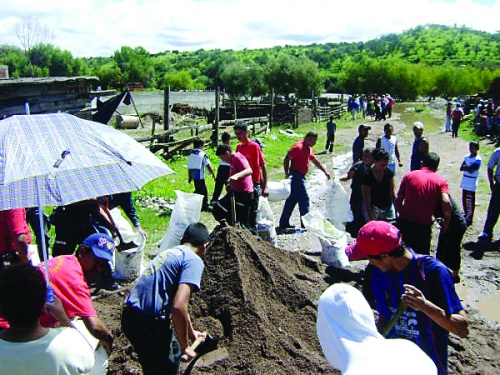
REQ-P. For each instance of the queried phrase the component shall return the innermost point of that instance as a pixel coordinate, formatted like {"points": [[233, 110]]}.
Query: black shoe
{"points": [[286, 229]]}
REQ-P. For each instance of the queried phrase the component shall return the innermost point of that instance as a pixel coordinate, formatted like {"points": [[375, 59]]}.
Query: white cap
{"points": [[418, 125]]}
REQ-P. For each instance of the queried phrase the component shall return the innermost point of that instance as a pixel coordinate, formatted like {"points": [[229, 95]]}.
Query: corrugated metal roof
{"points": [[45, 80]]}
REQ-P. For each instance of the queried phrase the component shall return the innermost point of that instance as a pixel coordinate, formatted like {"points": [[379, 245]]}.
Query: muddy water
{"points": [[488, 304]]}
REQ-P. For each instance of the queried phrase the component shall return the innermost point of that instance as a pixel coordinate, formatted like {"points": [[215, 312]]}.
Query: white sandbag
{"points": [[186, 211], [333, 252], [338, 208], [266, 228], [333, 240], [124, 227], [278, 191], [129, 263], [101, 362], [33, 255]]}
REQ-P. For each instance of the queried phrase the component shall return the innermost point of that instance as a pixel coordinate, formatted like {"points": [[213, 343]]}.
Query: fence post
{"points": [[271, 115], [217, 117], [296, 124], [153, 126], [166, 108]]}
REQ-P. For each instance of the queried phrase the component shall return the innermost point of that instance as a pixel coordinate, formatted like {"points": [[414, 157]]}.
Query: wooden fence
{"points": [[322, 113], [178, 139], [210, 133]]}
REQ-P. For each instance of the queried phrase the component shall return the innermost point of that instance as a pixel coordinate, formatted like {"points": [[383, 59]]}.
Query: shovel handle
{"points": [[194, 345], [400, 310]]}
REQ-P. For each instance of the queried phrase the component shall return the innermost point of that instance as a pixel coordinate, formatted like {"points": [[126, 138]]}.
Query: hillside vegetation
{"points": [[427, 60]]}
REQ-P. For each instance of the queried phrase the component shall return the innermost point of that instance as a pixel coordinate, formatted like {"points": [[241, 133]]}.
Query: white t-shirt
{"points": [[470, 179], [62, 351], [390, 146]]}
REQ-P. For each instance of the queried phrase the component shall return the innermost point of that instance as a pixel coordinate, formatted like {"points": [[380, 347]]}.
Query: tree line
{"points": [[430, 60]]}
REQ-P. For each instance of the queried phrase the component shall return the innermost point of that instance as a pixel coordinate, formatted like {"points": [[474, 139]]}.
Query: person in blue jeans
{"points": [[494, 205], [296, 165]]}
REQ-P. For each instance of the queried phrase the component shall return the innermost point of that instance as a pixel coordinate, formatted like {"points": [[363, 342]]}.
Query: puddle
{"points": [[487, 304]]}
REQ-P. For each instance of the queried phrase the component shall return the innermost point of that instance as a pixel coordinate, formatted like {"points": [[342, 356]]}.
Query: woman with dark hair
{"points": [[379, 197]]}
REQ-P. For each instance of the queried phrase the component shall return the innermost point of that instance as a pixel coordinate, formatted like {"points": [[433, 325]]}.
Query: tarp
{"points": [[106, 109]]}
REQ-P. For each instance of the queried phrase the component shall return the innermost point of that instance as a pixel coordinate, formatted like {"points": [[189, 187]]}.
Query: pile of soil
{"points": [[257, 300], [264, 298]]}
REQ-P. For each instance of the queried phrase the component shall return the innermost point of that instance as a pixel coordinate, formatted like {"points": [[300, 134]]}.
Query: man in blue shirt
{"points": [[331, 127], [160, 297], [359, 143], [420, 282]]}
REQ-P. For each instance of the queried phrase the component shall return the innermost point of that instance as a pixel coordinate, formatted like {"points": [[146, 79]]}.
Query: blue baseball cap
{"points": [[102, 246]]}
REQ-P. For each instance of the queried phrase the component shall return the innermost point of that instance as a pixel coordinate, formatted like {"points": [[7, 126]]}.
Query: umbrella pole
{"points": [[50, 292]]}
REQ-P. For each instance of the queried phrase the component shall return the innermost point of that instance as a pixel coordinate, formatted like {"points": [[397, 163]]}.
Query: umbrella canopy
{"points": [[70, 159]]}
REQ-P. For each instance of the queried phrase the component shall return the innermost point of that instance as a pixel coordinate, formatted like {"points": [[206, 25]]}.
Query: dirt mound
{"points": [[260, 301], [263, 300]]}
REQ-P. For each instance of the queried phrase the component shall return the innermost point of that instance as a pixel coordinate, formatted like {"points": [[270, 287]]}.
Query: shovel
{"points": [[201, 348], [400, 310], [232, 203]]}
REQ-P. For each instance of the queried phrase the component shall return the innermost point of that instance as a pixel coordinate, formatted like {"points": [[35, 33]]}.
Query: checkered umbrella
{"points": [[71, 159], [58, 159]]}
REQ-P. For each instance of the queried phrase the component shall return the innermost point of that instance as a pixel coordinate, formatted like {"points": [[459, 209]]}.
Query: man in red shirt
{"points": [[253, 152], [69, 275], [296, 165], [419, 193], [14, 236]]}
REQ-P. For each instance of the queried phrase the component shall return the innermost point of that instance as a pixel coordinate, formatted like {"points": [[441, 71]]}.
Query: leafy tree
{"points": [[236, 80], [16, 60], [31, 34], [110, 75], [181, 80], [307, 77], [136, 65]]}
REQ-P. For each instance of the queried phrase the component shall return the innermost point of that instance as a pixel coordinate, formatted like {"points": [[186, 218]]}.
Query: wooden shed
{"points": [[46, 95]]}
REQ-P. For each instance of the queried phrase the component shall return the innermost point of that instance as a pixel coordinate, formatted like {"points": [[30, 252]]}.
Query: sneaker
{"points": [[286, 227]]}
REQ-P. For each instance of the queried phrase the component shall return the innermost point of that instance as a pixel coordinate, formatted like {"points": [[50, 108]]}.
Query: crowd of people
{"points": [[413, 292]]}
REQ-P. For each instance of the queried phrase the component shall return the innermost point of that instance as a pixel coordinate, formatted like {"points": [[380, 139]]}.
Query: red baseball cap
{"points": [[374, 238]]}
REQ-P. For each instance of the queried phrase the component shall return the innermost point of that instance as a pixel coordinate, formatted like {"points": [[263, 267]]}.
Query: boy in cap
{"points": [[422, 283], [420, 146], [69, 277], [359, 143]]}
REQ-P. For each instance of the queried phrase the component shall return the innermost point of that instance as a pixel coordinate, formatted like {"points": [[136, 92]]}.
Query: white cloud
{"points": [[99, 27]]}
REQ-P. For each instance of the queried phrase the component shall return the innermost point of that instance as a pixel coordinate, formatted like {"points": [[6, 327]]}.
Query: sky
{"points": [[92, 28]]}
